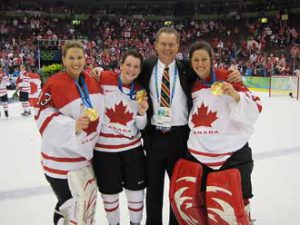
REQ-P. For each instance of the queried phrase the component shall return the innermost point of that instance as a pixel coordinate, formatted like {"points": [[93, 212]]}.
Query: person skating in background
{"points": [[23, 86], [4, 82]]}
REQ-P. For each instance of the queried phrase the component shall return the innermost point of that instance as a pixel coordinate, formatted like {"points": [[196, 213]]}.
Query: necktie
{"points": [[165, 89]]}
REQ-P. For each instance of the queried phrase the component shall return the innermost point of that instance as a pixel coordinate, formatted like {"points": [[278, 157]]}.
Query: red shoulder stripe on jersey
{"points": [[92, 84], [109, 78], [221, 74], [209, 154], [198, 86], [117, 146], [62, 159], [61, 172], [63, 88], [47, 121]]}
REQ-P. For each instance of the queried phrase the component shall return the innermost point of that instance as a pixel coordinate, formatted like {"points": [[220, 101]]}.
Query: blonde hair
{"points": [[71, 44]]}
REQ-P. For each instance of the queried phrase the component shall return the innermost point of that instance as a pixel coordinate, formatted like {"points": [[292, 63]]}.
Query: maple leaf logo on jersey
{"points": [[92, 127], [203, 117], [120, 114]]}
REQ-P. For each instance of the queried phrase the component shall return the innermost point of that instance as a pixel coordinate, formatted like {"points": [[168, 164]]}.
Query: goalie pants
{"points": [[62, 191], [241, 160]]}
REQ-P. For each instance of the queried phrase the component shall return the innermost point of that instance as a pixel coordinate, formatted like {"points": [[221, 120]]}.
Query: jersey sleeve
{"points": [[141, 121], [55, 128], [248, 108]]}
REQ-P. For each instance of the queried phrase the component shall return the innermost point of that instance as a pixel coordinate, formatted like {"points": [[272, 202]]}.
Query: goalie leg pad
{"points": [[224, 199], [83, 187], [185, 193]]}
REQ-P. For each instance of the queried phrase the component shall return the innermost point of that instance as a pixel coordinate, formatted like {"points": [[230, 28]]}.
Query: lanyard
{"points": [[84, 92], [173, 86], [120, 86]]}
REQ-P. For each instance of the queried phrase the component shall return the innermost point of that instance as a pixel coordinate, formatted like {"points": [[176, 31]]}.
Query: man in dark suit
{"points": [[166, 134], [165, 137]]}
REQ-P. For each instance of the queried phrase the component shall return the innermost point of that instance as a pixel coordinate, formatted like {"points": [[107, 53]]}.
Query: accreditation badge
{"points": [[163, 118]]}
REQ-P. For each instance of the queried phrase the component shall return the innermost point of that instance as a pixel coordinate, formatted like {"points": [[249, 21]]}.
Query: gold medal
{"points": [[216, 88], [140, 95], [91, 113]]}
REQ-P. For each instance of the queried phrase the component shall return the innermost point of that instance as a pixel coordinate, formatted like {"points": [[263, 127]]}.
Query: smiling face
{"points": [[201, 58], [130, 69], [201, 63], [74, 61], [166, 46]]}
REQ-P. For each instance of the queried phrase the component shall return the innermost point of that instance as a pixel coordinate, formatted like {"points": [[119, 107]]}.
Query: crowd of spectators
{"points": [[254, 46]]}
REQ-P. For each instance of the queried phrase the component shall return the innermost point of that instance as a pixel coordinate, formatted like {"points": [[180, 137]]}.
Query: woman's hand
{"points": [[229, 90], [81, 124], [143, 106]]}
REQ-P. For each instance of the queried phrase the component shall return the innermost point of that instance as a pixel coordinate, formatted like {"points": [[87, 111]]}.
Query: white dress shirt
{"points": [[179, 109]]}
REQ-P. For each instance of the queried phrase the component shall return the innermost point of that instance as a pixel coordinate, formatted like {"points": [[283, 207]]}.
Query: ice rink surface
{"points": [[26, 198]]}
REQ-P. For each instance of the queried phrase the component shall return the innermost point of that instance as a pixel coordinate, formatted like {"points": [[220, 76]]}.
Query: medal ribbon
{"points": [[212, 78], [120, 86], [84, 92]]}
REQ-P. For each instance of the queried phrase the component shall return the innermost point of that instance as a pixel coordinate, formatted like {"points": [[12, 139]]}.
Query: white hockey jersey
{"points": [[3, 83], [23, 82], [121, 124], [220, 125], [58, 107]]}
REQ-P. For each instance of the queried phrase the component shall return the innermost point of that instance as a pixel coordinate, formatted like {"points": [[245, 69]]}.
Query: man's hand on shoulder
{"points": [[234, 76]]}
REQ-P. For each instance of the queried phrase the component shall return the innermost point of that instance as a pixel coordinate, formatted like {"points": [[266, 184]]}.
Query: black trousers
{"points": [[163, 150]]}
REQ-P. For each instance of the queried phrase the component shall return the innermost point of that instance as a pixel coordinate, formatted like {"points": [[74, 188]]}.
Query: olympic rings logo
{"points": [[47, 55]]}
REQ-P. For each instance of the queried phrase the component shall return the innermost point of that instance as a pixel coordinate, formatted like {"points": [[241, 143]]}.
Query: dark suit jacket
{"points": [[186, 78]]}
